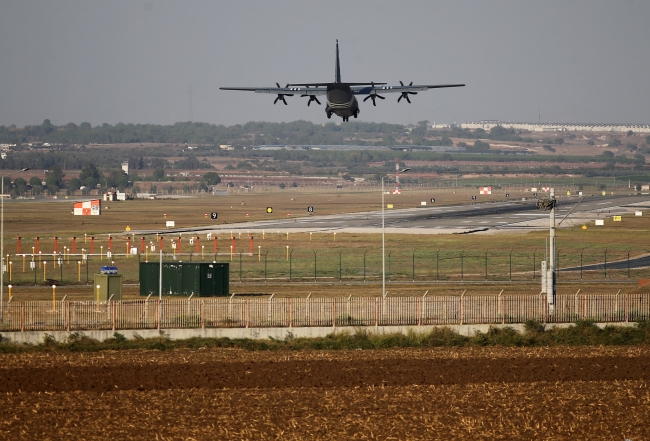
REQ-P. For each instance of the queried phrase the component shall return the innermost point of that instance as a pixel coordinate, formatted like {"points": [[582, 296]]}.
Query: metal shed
{"points": [[203, 279]]}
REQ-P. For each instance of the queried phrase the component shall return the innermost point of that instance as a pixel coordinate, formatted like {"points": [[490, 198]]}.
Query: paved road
{"points": [[639, 262], [495, 216]]}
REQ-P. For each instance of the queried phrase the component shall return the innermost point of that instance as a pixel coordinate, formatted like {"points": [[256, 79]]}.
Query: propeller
{"points": [[311, 98], [282, 95], [373, 96], [406, 94]]}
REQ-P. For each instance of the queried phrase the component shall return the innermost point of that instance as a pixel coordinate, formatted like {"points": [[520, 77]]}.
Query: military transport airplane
{"points": [[341, 98]]}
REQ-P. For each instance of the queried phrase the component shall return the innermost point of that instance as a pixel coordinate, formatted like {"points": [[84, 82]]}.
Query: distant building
{"points": [[125, 167], [558, 127]]}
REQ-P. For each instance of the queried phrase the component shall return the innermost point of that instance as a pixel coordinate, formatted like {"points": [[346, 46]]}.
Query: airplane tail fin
{"points": [[338, 64]]}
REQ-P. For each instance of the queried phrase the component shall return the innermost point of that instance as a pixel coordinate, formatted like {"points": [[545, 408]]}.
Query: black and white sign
{"points": [[534, 195], [473, 198], [507, 195], [433, 200], [310, 209], [213, 215]]}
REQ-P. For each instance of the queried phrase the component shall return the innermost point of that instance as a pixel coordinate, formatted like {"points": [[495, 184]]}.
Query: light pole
{"points": [[2, 241], [383, 236]]}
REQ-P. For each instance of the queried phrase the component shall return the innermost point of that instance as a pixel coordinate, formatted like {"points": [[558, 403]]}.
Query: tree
{"points": [[282, 185], [630, 133], [55, 177], [211, 178], [202, 186], [614, 143], [479, 146], [35, 182], [89, 171], [21, 185], [591, 142], [608, 154], [74, 184], [90, 183], [159, 173], [153, 189]]}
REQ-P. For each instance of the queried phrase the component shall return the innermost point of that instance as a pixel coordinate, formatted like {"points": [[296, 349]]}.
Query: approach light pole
{"points": [[2, 241], [383, 235], [548, 267]]}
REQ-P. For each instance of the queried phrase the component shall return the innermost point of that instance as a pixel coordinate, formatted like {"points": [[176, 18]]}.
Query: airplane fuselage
{"points": [[341, 101]]}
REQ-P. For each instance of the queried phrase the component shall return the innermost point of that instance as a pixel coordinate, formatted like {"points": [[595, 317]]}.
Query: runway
{"points": [[493, 217]]}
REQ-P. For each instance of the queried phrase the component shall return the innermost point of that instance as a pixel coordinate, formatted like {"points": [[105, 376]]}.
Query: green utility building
{"points": [[203, 279]]}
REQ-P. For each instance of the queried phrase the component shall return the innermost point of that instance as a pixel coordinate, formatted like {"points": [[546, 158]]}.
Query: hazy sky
{"points": [[135, 61]]}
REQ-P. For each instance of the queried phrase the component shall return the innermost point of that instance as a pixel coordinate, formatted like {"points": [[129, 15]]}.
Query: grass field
{"points": [[342, 263]]}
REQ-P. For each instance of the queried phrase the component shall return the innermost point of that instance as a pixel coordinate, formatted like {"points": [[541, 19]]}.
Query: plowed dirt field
{"points": [[448, 393]]}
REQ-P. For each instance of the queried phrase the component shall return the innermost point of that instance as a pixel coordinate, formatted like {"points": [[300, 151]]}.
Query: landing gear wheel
{"points": [[355, 114], [329, 115]]}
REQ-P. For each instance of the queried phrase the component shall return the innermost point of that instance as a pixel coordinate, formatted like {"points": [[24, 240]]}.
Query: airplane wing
{"points": [[286, 91], [411, 88]]}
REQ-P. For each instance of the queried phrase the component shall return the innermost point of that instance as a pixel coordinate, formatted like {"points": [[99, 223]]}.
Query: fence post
{"points": [[290, 261], [67, 316], [265, 255], [22, 316], [413, 267], [462, 270], [333, 313], [340, 267], [419, 311], [581, 251], [290, 313], [202, 314], [627, 307], [511, 265], [113, 313], [247, 314], [364, 264], [502, 307], [486, 265], [461, 307], [437, 273], [534, 263], [376, 312]]}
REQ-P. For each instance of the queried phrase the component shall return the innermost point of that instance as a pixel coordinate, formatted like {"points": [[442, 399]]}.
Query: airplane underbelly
{"points": [[344, 109]]}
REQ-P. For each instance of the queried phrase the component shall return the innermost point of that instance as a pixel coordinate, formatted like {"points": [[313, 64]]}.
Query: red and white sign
{"points": [[397, 191], [88, 208], [485, 190], [546, 188]]}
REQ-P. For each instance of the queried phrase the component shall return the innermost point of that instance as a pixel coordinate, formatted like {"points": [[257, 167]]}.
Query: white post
{"points": [[160, 289], [2, 250], [550, 284], [383, 244]]}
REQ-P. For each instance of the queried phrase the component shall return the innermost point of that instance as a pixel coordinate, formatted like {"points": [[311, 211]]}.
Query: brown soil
{"points": [[446, 393]]}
